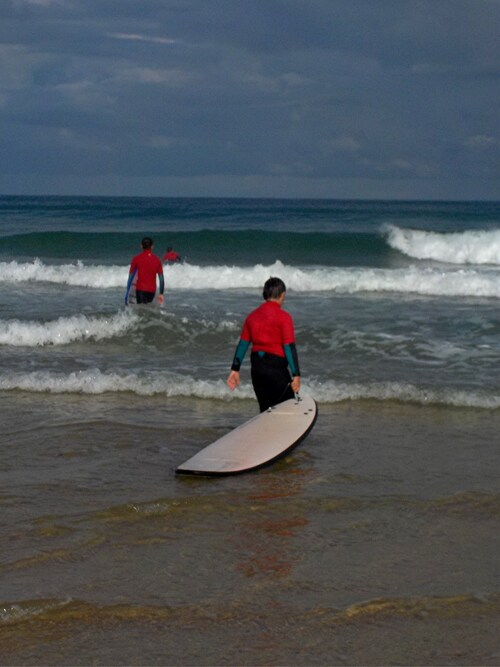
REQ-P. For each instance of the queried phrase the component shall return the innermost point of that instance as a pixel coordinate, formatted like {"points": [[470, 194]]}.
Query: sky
{"points": [[358, 99]]}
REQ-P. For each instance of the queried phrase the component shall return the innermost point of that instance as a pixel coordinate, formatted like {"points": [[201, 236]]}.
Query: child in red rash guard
{"points": [[270, 330]]}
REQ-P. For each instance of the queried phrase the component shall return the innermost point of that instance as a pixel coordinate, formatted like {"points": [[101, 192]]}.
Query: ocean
{"points": [[374, 542]]}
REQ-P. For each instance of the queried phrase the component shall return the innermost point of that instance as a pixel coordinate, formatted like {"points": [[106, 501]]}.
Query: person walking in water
{"points": [[270, 331], [147, 265], [171, 255]]}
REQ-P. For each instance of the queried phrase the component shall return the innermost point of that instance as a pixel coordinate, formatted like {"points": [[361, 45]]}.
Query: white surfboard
{"points": [[258, 442]]}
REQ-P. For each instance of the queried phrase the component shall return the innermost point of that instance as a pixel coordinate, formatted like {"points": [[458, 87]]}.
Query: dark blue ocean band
{"points": [[239, 355], [162, 283], [292, 358]]}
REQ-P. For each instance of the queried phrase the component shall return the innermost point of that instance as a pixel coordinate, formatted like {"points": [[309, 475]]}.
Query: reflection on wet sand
{"points": [[266, 536]]}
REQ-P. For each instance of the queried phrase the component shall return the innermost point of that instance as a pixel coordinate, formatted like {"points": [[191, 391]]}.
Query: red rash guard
{"points": [[171, 256], [269, 328], [148, 266]]}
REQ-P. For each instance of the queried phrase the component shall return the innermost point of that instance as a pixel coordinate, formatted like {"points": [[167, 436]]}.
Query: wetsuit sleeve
{"points": [[162, 283], [292, 358], [239, 355]]}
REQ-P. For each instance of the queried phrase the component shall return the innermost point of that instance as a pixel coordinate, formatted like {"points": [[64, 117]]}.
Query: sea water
{"points": [[375, 542]]}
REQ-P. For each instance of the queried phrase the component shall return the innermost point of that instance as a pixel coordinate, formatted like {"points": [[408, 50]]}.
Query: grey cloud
{"points": [[237, 91]]}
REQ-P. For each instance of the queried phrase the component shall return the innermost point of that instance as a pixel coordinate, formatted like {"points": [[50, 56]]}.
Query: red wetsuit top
{"points": [[148, 266], [269, 328], [171, 256]]}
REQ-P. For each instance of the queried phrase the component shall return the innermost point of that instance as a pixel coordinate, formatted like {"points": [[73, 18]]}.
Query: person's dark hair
{"points": [[147, 243], [273, 288]]}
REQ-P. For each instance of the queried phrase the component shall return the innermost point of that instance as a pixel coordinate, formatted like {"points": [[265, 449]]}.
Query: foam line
{"points": [[95, 382], [65, 329], [430, 281]]}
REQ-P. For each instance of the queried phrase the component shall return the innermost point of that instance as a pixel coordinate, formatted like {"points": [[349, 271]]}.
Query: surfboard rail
{"points": [[130, 295]]}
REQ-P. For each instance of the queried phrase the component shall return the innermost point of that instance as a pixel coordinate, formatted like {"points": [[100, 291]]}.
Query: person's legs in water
{"points": [[144, 297], [271, 379]]}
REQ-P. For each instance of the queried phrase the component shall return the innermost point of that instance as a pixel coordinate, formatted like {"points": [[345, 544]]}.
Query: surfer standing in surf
{"points": [[148, 266], [270, 331], [171, 256]]}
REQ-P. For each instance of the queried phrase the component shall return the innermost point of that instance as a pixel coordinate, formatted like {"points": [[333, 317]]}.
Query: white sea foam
{"points": [[171, 385], [432, 281], [468, 247], [77, 274], [94, 381], [334, 392], [65, 329]]}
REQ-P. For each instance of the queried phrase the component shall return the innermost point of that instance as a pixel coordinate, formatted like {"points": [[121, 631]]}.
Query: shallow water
{"points": [[376, 541]]}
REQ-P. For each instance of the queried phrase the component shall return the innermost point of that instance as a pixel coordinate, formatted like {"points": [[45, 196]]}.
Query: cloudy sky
{"points": [[273, 98]]}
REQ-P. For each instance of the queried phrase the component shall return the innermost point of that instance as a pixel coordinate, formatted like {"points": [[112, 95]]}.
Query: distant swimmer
{"points": [[270, 331], [171, 255], [147, 266]]}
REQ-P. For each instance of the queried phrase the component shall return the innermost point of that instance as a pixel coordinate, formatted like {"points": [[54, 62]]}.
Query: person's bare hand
{"points": [[233, 380]]}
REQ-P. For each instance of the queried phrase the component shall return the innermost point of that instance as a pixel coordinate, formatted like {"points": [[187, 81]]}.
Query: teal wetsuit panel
{"points": [[239, 355]]}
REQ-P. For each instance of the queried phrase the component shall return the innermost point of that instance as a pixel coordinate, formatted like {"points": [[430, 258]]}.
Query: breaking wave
{"points": [[94, 381], [65, 329], [429, 281], [468, 247]]}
